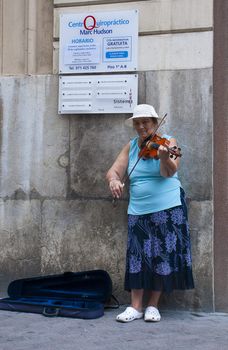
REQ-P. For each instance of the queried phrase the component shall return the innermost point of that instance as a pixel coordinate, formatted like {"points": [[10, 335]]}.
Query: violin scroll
{"points": [[175, 152]]}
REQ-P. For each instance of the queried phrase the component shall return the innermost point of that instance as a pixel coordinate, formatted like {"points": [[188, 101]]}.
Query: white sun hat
{"points": [[142, 111]]}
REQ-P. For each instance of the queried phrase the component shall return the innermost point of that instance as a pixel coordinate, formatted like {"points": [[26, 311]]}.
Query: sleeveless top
{"points": [[149, 191]]}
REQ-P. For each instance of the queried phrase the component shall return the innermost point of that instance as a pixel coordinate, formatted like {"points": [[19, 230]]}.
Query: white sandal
{"points": [[152, 314], [130, 314]]}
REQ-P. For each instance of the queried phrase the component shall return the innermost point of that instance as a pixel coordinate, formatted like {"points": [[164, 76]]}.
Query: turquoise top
{"points": [[149, 191]]}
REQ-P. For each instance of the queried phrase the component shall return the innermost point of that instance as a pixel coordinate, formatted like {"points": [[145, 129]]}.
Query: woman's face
{"points": [[144, 127]]}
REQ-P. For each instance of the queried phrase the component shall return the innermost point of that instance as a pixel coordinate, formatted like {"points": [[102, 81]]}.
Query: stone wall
{"points": [[55, 209], [56, 212]]}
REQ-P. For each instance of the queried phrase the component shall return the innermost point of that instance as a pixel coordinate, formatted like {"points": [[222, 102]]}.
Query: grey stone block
{"points": [[34, 138], [80, 235], [20, 232]]}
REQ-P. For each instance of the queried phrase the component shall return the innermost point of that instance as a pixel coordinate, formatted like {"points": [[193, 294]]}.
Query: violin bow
{"points": [[127, 176]]}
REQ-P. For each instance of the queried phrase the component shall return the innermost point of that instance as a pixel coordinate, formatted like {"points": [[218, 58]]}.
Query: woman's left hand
{"points": [[168, 166], [163, 153]]}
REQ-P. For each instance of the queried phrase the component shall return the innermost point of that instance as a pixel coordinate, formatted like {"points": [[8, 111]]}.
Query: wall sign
{"points": [[98, 93], [98, 42]]}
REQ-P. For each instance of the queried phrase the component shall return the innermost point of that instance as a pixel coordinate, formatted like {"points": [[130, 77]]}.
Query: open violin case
{"points": [[71, 294]]}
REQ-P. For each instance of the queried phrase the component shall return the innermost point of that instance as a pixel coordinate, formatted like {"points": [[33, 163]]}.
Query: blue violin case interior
{"points": [[70, 294]]}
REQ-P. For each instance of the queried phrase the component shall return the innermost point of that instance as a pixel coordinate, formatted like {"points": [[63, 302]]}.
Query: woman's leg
{"points": [[151, 313], [137, 299], [154, 297]]}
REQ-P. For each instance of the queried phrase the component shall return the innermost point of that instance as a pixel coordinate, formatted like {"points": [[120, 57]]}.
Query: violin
{"points": [[149, 148]]}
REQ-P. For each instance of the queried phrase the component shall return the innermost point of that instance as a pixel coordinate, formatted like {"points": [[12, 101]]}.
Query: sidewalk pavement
{"points": [[177, 330]]}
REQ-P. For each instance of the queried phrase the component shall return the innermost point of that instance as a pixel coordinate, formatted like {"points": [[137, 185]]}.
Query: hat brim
{"points": [[129, 121]]}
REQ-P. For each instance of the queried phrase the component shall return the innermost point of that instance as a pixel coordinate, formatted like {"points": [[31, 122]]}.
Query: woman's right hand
{"points": [[116, 188], [117, 172]]}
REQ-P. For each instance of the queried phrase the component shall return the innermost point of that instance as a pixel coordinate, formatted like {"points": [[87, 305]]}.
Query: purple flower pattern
{"points": [[152, 247], [132, 220], [135, 264], [177, 216], [160, 217], [163, 268], [157, 250], [188, 258], [170, 242], [147, 248]]}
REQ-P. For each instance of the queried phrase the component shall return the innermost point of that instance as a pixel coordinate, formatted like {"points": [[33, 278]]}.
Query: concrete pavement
{"points": [[177, 330]]}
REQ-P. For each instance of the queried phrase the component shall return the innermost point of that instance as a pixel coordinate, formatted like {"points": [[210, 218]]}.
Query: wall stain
{"points": [[20, 194]]}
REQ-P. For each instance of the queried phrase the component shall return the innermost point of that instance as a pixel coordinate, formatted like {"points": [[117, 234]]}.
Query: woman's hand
{"points": [[168, 166], [116, 188], [163, 153]]}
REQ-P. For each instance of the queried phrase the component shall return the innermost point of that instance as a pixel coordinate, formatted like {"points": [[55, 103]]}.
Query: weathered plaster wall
{"points": [[55, 210]]}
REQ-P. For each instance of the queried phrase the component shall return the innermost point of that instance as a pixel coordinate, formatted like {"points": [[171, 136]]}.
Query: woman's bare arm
{"points": [[117, 171]]}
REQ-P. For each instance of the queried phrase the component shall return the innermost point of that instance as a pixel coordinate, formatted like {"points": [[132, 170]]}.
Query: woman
{"points": [[158, 255]]}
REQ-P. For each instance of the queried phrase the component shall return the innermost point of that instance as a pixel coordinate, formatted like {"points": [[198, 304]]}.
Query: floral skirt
{"points": [[159, 250]]}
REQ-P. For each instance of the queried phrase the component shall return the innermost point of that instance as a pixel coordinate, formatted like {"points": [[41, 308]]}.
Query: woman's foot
{"points": [[130, 314], [152, 314]]}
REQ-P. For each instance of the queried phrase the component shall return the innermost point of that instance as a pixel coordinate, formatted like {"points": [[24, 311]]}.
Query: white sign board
{"points": [[98, 42], [98, 94]]}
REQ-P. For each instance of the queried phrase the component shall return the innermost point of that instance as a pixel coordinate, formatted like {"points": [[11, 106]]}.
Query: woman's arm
{"points": [[168, 166], [117, 171]]}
